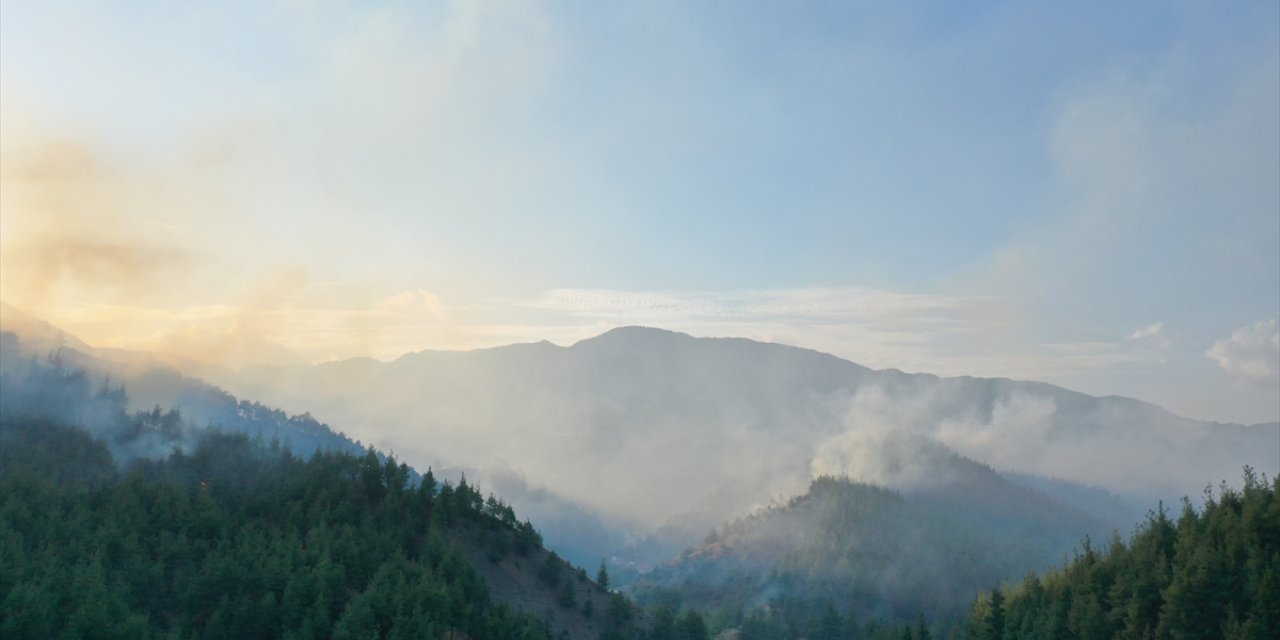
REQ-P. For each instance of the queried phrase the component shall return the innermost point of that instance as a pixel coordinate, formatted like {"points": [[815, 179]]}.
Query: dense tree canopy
{"points": [[1212, 573], [236, 540], [134, 525]]}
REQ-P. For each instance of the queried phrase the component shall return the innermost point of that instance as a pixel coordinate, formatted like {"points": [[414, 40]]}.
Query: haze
{"points": [[1084, 194]]}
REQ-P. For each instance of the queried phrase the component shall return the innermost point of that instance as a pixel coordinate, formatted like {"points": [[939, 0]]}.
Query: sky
{"points": [[1083, 193]]}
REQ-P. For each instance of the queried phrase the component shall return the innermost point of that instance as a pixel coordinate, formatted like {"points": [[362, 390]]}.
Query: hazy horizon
{"points": [[203, 365], [960, 191]]}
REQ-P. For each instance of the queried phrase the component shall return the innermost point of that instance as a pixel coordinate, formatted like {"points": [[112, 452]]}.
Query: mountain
{"points": [[655, 429], [927, 488], [656, 437], [871, 552]]}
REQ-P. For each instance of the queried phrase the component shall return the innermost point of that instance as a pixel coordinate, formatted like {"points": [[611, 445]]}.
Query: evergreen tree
{"points": [[1213, 573], [690, 626], [995, 620], [602, 576], [234, 539]]}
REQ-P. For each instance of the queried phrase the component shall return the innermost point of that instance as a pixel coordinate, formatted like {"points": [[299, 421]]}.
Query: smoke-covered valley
{"points": [[651, 427], [654, 437]]}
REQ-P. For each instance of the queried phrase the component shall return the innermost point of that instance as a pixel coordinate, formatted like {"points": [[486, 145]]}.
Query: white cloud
{"points": [[1149, 331], [1251, 352], [1152, 334]]}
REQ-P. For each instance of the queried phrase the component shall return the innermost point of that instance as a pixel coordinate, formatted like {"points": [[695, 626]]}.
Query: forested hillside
{"points": [[84, 385], [236, 541], [1212, 573], [191, 531], [1209, 573], [847, 553]]}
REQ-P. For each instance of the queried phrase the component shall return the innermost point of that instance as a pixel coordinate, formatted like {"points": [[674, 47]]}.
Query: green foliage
{"points": [[663, 625], [619, 612], [1212, 574], [551, 569], [602, 576], [214, 535], [690, 626], [234, 540]]}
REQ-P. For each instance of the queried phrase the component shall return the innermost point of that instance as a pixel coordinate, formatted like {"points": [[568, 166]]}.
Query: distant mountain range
{"points": [[657, 437], [653, 428]]}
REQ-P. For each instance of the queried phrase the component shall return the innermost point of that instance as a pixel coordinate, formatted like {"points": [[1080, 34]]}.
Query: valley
{"points": [[893, 524]]}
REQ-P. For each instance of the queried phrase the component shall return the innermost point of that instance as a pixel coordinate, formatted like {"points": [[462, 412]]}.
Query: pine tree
{"points": [[995, 628], [602, 576], [690, 626]]}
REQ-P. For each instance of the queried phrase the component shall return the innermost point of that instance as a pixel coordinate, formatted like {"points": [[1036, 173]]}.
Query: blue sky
{"points": [[1085, 193]]}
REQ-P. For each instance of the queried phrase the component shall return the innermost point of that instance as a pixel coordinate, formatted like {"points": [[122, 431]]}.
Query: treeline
{"points": [[1212, 573], [237, 540]]}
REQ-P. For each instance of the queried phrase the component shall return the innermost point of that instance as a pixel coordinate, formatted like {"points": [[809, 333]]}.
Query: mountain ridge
{"points": [[734, 423], [608, 335]]}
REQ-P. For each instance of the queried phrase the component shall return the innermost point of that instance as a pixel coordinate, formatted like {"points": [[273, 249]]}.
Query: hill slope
{"points": [[872, 552], [1209, 573], [210, 533]]}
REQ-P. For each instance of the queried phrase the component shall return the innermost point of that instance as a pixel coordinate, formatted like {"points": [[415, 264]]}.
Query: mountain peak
{"points": [[635, 334]]}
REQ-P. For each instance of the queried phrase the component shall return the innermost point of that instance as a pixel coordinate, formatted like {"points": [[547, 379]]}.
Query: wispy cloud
{"points": [[1251, 353], [807, 303], [1152, 335], [877, 328], [1149, 331]]}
